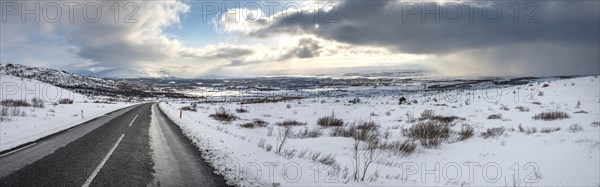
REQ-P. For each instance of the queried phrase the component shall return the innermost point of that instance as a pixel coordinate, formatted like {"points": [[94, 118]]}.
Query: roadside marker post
{"points": [[82, 114], [180, 113]]}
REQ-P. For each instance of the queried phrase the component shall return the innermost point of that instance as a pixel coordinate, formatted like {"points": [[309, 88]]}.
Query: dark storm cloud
{"points": [[399, 26], [306, 48]]}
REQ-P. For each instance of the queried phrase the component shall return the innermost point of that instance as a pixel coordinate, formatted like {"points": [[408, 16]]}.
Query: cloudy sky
{"points": [[254, 38]]}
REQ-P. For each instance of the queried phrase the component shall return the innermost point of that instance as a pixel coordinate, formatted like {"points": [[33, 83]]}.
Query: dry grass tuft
{"points": [[403, 148], [465, 133]]}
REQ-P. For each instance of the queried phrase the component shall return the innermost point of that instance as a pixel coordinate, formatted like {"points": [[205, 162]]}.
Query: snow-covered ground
{"points": [[19, 125], [566, 153]]}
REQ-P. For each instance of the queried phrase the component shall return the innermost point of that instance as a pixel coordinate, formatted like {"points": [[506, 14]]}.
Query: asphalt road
{"points": [[136, 146]]}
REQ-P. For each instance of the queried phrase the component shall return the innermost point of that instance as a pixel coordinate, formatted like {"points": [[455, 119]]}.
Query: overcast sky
{"points": [[252, 38]]}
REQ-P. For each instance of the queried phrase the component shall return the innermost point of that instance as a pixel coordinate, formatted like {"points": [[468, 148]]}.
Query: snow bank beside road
{"points": [[23, 124], [564, 152]]}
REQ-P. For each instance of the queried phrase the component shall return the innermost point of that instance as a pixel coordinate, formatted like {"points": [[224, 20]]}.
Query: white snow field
{"points": [[510, 148], [23, 124]]}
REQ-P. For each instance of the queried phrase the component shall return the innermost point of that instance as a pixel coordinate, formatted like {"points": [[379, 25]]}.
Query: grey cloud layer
{"points": [[106, 42], [571, 26], [392, 24], [566, 38]]}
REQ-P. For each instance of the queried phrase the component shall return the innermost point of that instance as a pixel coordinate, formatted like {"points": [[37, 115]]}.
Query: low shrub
{"points": [[330, 121], [14, 103], [493, 132], [4, 111], [269, 100], [223, 115], [254, 123], [12, 111], [549, 130], [37, 102], [522, 109], [575, 128], [403, 148], [430, 134], [430, 115], [305, 133], [495, 116], [241, 110], [343, 131], [248, 125], [551, 116], [426, 114], [65, 101], [290, 122], [366, 131], [367, 125], [260, 122], [354, 101], [328, 160], [528, 130], [188, 108], [4, 118]]}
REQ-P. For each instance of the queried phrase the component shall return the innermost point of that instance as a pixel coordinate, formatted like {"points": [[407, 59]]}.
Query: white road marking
{"points": [[133, 120], [13, 151], [91, 178]]}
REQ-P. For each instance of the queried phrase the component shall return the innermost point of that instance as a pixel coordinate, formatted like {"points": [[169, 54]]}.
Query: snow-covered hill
{"points": [[78, 83]]}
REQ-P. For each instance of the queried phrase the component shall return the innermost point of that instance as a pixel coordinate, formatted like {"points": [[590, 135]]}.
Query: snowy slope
{"points": [[569, 156], [20, 125]]}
